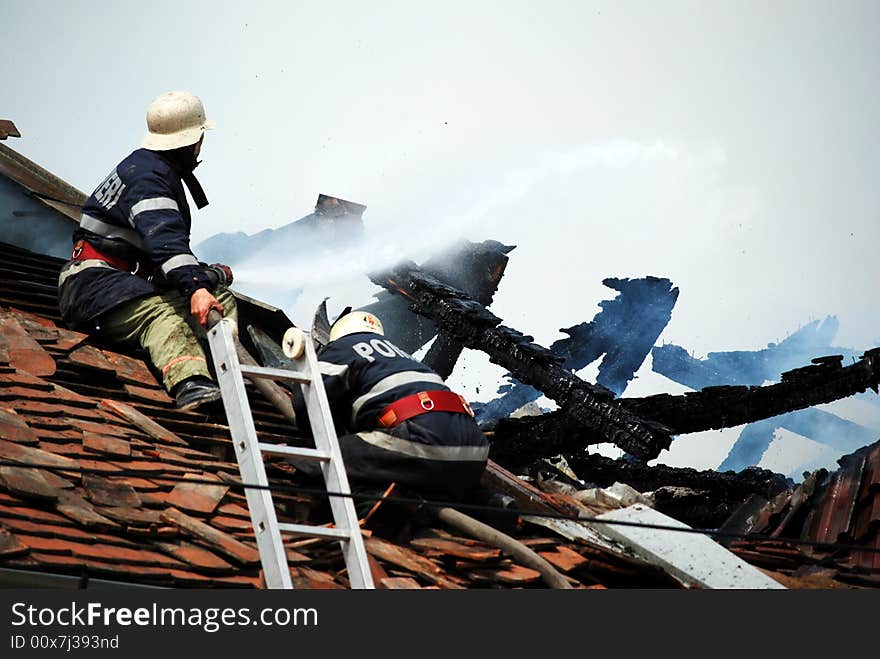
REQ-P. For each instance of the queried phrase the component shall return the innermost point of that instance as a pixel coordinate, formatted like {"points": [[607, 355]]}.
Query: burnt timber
{"points": [[475, 268], [463, 318], [590, 414], [710, 408]]}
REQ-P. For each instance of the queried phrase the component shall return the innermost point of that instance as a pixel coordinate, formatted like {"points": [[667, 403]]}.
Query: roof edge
{"points": [[48, 188]]}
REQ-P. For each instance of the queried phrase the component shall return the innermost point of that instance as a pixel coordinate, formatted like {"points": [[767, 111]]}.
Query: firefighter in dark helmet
{"points": [[396, 418]]}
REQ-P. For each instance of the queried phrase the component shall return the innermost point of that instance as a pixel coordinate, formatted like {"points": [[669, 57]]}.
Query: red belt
{"points": [[83, 250], [422, 402]]}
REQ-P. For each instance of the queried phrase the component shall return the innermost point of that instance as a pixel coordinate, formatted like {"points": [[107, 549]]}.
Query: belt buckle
{"points": [[77, 250], [425, 401]]}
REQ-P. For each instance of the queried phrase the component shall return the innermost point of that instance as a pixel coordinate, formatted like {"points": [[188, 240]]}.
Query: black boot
{"points": [[195, 391]]}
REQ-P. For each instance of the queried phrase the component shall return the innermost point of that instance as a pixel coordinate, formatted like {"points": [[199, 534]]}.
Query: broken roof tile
{"points": [[45, 331], [831, 518], [221, 541], [199, 558], [409, 560], [82, 512], [145, 467], [114, 554], [444, 547], [56, 481], [511, 574], [49, 423], [108, 492], [563, 558], [46, 545], [400, 583], [92, 357], [142, 484], [197, 498], [60, 339], [34, 456], [106, 445], [141, 421], [58, 394], [81, 565], [131, 370], [99, 467], [29, 527], [35, 408], [10, 545], [103, 428], [231, 524], [18, 349], [70, 447], [26, 380], [303, 577], [13, 428], [131, 516], [19, 509], [234, 510], [29, 320], [152, 395], [28, 483]]}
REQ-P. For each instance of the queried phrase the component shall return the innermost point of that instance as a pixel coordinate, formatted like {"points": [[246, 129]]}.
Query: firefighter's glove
{"points": [[220, 274]]}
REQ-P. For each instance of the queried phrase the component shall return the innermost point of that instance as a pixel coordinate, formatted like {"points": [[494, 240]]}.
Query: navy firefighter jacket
{"points": [[138, 215], [364, 372]]}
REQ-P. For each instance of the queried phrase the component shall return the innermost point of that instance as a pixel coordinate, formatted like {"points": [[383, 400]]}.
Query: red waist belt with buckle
{"points": [[83, 250], [422, 402]]}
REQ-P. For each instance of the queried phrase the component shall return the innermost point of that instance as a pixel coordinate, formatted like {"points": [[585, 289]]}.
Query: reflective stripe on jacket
{"points": [[363, 373], [141, 210]]}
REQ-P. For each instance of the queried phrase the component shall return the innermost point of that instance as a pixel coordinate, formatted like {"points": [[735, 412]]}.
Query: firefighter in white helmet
{"points": [[396, 418], [132, 276]]}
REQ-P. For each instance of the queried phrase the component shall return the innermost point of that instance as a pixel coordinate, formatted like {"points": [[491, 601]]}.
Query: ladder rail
{"points": [[359, 573], [273, 557], [249, 455]]}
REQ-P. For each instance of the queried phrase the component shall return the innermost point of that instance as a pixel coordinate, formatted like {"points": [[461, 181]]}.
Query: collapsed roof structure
{"points": [[104, 482]]}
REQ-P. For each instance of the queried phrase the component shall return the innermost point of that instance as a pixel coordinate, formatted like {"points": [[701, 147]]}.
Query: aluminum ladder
{"points": [[232, 363]]}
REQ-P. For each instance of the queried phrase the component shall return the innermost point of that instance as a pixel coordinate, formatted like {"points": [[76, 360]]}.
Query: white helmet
{"points": [[354, 322], [175, 119]]}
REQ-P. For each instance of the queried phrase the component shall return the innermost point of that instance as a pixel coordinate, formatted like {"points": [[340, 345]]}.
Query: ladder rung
{"points": [[295, 452], [317, 531], [275, 374]]}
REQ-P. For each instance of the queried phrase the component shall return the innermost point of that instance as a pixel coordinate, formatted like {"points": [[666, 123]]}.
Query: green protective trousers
{"points": [[163, 326]]}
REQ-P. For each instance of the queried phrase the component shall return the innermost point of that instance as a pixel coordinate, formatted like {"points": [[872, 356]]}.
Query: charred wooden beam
{"points": [[824, 381], [591, 407], [519, 441], [475, 268], [699, 498], [485, 262]]}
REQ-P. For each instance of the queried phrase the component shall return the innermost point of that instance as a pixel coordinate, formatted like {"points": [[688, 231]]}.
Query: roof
{"points": [[839, 508], [42, 184], [103, 479], [118, 506]]}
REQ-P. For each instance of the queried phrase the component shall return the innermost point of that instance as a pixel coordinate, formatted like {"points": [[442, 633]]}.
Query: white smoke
{"points": [[619, 208]]}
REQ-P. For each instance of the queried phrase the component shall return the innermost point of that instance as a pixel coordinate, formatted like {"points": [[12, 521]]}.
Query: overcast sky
{"points": [[733, 147]]}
